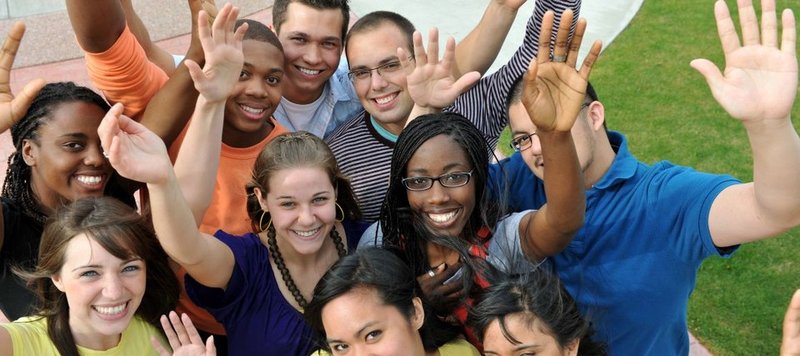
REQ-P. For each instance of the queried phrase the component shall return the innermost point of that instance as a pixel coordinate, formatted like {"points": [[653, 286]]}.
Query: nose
{"points": [[438, 194], [256, 88], [112, 288], [536, 145], [312, 55], [377, 82], [306, 215], [94, 156]]}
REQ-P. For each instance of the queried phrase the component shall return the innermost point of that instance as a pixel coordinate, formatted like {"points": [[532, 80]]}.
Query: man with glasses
{"points": [[647, 229], [363, 145]]}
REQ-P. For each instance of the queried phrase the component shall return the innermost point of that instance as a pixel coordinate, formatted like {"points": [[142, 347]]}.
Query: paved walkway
{"points": [[49, 49]]}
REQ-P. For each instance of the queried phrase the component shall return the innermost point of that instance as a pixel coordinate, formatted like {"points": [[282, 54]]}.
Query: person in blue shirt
{"points": [[633, 265]]}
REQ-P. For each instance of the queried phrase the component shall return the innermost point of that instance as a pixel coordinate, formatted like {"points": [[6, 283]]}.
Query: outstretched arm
{"points": [[137, 154], [155, 54], [97, 24], [552, 94], [171, 107], [214, 82], [758, 87], [478, 50]]}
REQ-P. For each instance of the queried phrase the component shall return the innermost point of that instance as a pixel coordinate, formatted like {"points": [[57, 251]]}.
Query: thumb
{"points": [[194, 71], [709, 71], [466, 81], [20, 104]]}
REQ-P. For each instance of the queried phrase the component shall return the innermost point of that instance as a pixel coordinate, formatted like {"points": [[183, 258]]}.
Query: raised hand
{"points": [[431, 83], [222, 50], [183, 338], [195, 51], [553, 89], [442, 294], [791, 328], [134, 151], [760, 80], [12, 109]]}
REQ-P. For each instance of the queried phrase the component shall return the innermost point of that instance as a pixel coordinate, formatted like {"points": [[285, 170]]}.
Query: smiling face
{"points": [[301, 202], [385, 96], [445, 210], [312, 44], [66, 159], [534, 339], [103, 292], [359, 323], [255, 95]]}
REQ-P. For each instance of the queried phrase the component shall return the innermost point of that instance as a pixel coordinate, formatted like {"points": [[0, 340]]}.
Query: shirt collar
{"points": [[624, 165]]}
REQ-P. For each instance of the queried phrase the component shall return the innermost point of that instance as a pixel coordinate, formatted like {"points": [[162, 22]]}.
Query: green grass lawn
{"points": [[666, 110]]}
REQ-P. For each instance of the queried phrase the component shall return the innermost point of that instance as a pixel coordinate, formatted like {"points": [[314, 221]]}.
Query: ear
{"points": [[56, 278], [419, 314], [29, 152], [596, 115], [262, 199], [572, 347]]}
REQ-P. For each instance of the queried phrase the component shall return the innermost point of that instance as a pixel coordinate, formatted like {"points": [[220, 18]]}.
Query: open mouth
{"points": [[252, 112], [309, 72], [443, 220], [91, 181], [112, 312], [307, 234]]}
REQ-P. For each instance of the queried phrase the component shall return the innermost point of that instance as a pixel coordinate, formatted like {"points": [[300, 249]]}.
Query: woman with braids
{"points": [[369, 303], [102, 282], [303, 211], [436, 212], [531, 313], [57, 159]]}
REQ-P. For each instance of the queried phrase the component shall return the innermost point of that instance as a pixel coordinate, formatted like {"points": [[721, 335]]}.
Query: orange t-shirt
{"points": [[227, 211], [124, 74]]}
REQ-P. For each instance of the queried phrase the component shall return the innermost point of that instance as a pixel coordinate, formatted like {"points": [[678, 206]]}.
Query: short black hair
{"points": [[376, 19], [257, 31]]}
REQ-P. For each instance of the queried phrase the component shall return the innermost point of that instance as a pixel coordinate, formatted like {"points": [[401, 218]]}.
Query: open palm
{"points": [[12, 109], [760, 79]]}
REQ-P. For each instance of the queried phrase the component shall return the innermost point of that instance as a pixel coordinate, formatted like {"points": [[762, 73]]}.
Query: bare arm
{"points": [[97, 24], [137, 154], [478, 50], [552, 95], [758, 87], [6, 349], [155, 54], [169, 110]]}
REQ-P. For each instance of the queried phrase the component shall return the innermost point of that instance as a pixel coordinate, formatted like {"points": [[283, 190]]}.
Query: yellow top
{"points": [[29, 337]]}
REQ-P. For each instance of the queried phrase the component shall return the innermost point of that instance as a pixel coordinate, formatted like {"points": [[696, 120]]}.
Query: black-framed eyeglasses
{"points": [[362, 74], [521, 143], [449, 180]]}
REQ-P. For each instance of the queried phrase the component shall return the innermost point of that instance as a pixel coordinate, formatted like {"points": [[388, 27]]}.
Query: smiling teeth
{"points": [[440, 218], [90, 179], [306, 233], [385, 99], [110, 310], [251, 109], [309, 71]]}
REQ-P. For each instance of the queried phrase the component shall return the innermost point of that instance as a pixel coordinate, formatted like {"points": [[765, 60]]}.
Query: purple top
{"points": [[256, 316]]}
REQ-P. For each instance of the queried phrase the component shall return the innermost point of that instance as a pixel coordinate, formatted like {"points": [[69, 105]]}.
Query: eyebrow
{"points": [[326, 38], [445, 169], [99, 266], [313, 196], [74, 135], [270, 71], [382, 62]]}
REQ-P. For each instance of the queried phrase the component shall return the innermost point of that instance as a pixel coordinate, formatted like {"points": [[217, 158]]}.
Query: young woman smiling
{"points": [[102, 281], [436, 211]]}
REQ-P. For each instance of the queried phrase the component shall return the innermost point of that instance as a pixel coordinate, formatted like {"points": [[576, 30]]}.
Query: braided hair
{"points": [[401, 227], [17, 183]]}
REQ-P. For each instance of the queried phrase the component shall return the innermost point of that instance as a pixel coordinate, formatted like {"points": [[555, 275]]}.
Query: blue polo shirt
{"points": [[633, 265]]}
